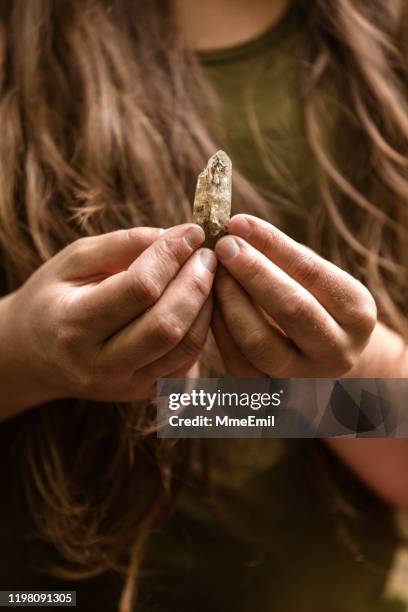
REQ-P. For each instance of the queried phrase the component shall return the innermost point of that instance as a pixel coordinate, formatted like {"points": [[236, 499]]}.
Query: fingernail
{"points": [[195, 236], [240, 226], [227, 248], [208, 259]]}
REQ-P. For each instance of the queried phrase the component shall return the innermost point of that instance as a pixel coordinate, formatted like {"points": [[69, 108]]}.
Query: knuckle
{"points": [[365, 315], [144, 289], [361, 313], [199, 285], [297, 308], [167, 332], [267, 240], [127, 234], [79, 250], [255, 342], [225, 288], [68, 337], [123, 237], [69, 319], [252, 269], [339, 357], [305, 270], [173, 249], [192, 344], [344, 361]]}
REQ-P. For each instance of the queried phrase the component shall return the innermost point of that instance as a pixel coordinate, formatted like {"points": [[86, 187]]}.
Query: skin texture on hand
{"points": [[282, 310], [107, 316]]}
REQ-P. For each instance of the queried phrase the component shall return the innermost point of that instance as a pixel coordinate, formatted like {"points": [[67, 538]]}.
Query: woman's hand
{"points": [[109, 314], [283, 311]]}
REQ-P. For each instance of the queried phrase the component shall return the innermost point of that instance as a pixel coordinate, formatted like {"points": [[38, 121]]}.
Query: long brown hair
{"points": [[106, 121]]}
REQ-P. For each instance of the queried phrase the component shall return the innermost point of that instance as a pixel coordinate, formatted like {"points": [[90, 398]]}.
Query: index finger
{"points": [[340, 294], [296, 311], [119, 299]]}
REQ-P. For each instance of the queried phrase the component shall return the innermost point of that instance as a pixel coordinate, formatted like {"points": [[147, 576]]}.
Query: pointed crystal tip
{"points": [[212, 203]]}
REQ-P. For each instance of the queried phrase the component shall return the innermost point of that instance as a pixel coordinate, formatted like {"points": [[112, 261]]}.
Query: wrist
{"points": [[385, 356], [23, 382]]}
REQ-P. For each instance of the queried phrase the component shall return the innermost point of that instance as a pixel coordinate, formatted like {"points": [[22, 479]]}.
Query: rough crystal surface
{"points": [[212, 202]]}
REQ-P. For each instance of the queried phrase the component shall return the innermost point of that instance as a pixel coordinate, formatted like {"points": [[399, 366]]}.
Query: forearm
{"points": [[21, 385], [381, 463]]}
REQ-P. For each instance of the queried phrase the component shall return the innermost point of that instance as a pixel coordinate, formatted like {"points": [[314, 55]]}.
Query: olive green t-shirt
{"points": [[262, 117], [271, 542], [267, 538]]}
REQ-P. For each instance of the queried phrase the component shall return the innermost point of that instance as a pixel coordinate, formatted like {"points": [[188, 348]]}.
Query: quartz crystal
{"points": [[212, 202]]}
